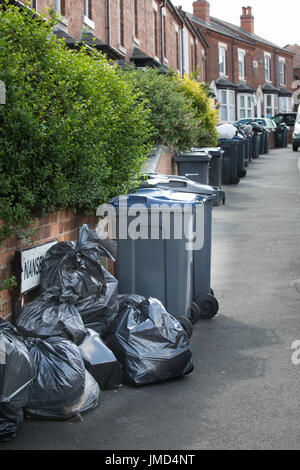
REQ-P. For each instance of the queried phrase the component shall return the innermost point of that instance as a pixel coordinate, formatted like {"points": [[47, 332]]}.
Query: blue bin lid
{"points": [[154, 196]]}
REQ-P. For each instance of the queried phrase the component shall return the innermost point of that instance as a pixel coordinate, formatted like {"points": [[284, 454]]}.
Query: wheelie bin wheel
{"points": [[235, 180], [186, 325], [194, 313], [224, 200], [243, 173], [208, 306]]}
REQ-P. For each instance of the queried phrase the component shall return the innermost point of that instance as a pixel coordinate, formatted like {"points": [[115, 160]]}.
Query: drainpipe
{"points": [[233, 64], [182, 50], [107, 27], [276, 68]]}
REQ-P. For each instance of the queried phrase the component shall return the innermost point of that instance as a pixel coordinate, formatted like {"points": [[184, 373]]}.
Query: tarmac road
{"points": [[244, 391]]}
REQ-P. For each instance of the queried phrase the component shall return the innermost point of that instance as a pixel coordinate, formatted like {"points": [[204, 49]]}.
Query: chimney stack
{"points": [[201, 10], [247, 20]]}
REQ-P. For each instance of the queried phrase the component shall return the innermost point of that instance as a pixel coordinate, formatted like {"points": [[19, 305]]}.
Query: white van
{"points": [[296, 134]]}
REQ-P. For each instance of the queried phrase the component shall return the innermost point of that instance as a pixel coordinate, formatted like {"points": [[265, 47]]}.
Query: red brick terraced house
{"points": [[253, 77], [296, 49], [143, 32]]}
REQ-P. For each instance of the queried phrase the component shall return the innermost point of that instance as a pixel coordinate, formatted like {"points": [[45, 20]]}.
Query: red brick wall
{"points": [[61, 226], [166, 165]]}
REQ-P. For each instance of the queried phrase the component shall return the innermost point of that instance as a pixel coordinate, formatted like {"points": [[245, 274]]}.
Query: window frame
{"points": [[268, 70], [135, 22], [223, 47], [155, 31], [266, 107], [242, 54], [229, 107], [246, 106], [121, 35], [281, 70]]}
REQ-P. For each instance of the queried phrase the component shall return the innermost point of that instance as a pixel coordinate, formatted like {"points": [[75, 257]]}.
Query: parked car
{"points": [[296, 133], [267, 123], [286, 118]]}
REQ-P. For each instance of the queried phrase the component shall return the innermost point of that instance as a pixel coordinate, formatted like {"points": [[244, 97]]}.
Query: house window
{"points": [[60, 7], [282, 71], [241, 56], [34, 4], [165, 35], [121, 22], [227, 105], [269, 105], [88, 9], [222, 60], [155, 30], [245, 108], [192, 58], [268, 67], [177, 50], [285, 104], [135, 19]]}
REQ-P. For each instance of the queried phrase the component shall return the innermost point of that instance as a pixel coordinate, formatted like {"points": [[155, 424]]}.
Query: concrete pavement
{"points": [[244, 391]]}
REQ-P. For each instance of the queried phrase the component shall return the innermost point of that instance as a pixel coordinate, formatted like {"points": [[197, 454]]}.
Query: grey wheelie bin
{"points": [[158, 262], [241, 156], [194, 165], [203, 296], [230, 165], [215, 171]]}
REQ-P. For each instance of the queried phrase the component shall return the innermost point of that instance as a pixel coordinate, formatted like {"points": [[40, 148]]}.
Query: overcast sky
{"points": [[275, 20]]}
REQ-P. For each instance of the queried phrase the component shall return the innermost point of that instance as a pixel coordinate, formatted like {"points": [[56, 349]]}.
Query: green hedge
{"points": [[182, 111], [73, 132]]}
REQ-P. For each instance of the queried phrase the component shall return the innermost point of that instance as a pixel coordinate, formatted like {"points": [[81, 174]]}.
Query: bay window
{"points": [[269, 105], [285, 104], [245, 106], [227, 105]]}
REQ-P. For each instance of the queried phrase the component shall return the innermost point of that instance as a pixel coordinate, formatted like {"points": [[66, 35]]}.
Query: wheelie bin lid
{"points": [[223, 142], [213, 151], [239, 138], [190, 156], [156, 196], [180, 184]]}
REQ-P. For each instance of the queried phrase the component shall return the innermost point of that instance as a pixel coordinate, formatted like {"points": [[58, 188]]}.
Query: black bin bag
{"points": [[60, 376], [89, 400], [101, 362], [151, 345], [98, 311], [77, 267], [17, 370], [11, 419], [52, 314]]}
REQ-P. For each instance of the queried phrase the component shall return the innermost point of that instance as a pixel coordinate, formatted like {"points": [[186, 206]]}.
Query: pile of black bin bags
{"points": [[79, 337]]}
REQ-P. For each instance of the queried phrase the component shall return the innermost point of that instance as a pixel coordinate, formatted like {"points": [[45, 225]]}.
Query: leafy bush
{"points": [[181, 110], [204, 109], [172, 113], [73, 132]]}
